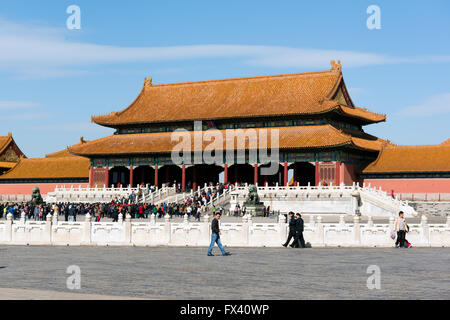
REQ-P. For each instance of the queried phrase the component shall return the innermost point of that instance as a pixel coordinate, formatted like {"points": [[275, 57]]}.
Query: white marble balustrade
{"points": [[245, 233]]}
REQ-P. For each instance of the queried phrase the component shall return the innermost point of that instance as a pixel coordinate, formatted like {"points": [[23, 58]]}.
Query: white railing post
{"points": [[152, 219], [391, 223], [167, 229], [87, 227], [127, 229], [356, 230], [341, 221], [320, 231], [425, 229], [8, 227], [311, 221], [22, 218], [370, 222]]}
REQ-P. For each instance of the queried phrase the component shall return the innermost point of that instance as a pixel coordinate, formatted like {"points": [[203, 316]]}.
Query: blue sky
{"points": [[53, 79]]}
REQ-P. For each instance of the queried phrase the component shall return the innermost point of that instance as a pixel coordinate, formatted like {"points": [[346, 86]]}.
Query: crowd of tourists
{"points": [[194, 206]]}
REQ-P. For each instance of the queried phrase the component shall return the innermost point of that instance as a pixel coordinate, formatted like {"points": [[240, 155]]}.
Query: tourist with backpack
{"points": [[401, 227]]}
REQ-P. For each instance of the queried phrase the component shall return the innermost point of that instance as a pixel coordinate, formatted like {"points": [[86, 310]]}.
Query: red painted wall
{"points": [[347, 173], [98, 177], [27, 188], [411, 185]]}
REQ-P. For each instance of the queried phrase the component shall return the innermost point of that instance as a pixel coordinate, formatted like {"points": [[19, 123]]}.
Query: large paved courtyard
{"points": [[250, 273]]}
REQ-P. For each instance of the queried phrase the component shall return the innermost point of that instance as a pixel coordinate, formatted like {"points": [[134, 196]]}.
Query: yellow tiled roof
{"points": [[286, 94], [289, 138], [422, 158], [4, 142], [5, 164], [64, 152], [60, 164], [41, 168]]}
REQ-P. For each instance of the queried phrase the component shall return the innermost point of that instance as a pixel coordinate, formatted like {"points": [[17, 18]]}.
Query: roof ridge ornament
{"points": [[148, 82], [336, 66]]}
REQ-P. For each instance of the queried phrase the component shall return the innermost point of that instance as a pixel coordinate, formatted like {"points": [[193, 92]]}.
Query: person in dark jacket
{"points": [[72, 212], [66, 212], [215, 236], [298, 239], [115, 213], [291, 229]]}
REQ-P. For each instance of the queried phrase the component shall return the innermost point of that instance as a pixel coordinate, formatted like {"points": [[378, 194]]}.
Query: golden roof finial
{"points": [[9, 134], [336, 66], [148, 81], [82, 140]]}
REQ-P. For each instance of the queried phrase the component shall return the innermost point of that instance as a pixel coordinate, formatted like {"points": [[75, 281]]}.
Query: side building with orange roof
{"points": [[411, 169], [10, 153], [58, 168]]}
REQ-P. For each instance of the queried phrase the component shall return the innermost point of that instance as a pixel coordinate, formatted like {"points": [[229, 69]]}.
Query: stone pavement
{"points": [[30, 294], [250, 273]]}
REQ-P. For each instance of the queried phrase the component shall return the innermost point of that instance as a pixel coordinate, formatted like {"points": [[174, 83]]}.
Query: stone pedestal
{"points": [[256, 210]]}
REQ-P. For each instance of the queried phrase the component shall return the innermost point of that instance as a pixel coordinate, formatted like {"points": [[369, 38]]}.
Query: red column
{"points": [[225, 174], [286, 174], [337, 173], [256, 173], [107, 176], [194, 177], [131, 176], [183, 178], [91, 177], [317, 173], [156, 175]]}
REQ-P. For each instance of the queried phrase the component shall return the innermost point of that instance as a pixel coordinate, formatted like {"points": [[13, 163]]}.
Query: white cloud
{"points": [[27, 116], [17, 104], [40, 51], [435, 105]]}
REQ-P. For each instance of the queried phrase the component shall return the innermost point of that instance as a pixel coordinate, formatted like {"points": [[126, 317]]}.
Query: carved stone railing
{"points": [[246, 233], [330, 199], [96, 194], [159, 195]]}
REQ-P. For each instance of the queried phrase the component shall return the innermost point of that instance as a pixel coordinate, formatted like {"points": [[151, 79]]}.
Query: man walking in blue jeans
{"points": [[215, 236]]}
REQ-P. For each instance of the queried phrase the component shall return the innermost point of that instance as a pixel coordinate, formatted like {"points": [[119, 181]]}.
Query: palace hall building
{"points": [[411, 169], [307, 120], [321, 136], [57, 168]]}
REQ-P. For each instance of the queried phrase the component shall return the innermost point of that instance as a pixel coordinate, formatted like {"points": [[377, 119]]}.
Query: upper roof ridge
{"points": [[439, 145], [246, 97], [283, 75]]}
